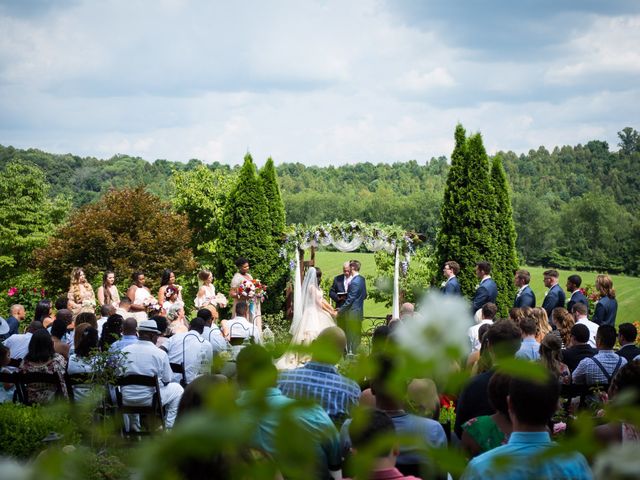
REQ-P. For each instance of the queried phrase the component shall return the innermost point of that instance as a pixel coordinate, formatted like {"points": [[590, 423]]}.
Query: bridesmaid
{"points": [[108, 292], [206, 292], [240, 276], [138, 293], [168, 278], [80, 291]]}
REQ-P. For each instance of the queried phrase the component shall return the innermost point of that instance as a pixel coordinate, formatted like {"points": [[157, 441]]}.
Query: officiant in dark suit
{"points": [[338, 290], [351, 313], [525, 296]]}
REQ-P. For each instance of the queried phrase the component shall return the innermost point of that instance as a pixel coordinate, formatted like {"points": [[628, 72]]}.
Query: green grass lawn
{"points": [[627, 288]]}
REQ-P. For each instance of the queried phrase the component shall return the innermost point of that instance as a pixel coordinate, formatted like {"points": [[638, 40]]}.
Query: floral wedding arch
{"points": [[347, 237]]}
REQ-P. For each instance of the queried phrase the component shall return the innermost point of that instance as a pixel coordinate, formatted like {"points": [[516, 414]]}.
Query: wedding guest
{"points": [[177, 320], [129, 335], [607, 306], [564, 322], [61, 303], [550, 357], [487, 290], [542, 323], [81, 361], [555, 296], [529, 348], [486, 432], [163, 326], [191, 350], [525, 296], [488, 313], [43, 313], [138, 294], [580, 316], [58, 334], [338, 290], [422, 398], [67, 316], [239, 328], [17, 314], [212, 332], [88, 318], [111, 332], [451, 285], [207, 292], [108, 292], [604, 365], [124, 308], [480, 361], [7, 390], [531, 406], [80, 292], [517, 314], [578, 347], [168, 278], [105, 312], [42, 358], [241, 276], [18, 344], [573, 287], [627, 335]]}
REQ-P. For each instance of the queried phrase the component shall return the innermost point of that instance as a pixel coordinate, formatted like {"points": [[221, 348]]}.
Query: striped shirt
{"points": [[588, 372]]}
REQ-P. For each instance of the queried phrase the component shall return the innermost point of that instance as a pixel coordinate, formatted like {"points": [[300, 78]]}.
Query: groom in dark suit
{"points": [[338, 290], [352, 311], [487, 291], [525, 296]]}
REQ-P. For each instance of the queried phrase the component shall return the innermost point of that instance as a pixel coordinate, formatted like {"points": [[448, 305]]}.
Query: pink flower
{"points": [[12, 291], [559, 427]]}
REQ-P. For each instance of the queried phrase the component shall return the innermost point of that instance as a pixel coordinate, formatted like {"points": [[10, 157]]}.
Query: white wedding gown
{"points": [[314, 320]]}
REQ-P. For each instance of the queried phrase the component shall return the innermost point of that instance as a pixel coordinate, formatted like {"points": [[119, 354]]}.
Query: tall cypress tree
{"points": [[268, 177], [506, 258], [466, 232]]}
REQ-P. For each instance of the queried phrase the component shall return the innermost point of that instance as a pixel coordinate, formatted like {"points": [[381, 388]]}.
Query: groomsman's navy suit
{"points": [[606, 310], [352, 312], [526, 298], [555, 298], [337, 287], [577, 297], [452, 287], [487, 292]]}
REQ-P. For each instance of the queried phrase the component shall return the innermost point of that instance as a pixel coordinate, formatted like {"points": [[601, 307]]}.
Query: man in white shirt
{"points": [[144, 358], [212, 332], [18, 344], [580, 315], [191, 350], [489, 311], [239, 328]]}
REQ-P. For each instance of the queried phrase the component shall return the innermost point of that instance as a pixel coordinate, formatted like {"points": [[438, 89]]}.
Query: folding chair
{"points": [[154, 410], [179, 369], [38, 378]]}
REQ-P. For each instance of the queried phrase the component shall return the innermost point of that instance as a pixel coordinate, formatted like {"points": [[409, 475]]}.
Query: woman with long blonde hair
{"points": [[607, 306], [542, 322], [80, 296]]}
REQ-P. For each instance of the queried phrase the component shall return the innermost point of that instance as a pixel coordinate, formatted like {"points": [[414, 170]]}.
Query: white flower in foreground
{"points": [[438, 330]]}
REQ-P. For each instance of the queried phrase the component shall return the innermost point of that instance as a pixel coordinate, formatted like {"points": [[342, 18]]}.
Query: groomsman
{"points": [[487, 291], [451, 285], [573, 287], [525, 296], [338, 290], [555, 296]]}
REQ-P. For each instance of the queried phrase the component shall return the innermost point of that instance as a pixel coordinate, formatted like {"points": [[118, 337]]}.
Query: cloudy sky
{"points": [[318, 82]]}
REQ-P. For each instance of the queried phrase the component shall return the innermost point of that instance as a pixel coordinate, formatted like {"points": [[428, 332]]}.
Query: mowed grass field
{"points": [[627, 288]]}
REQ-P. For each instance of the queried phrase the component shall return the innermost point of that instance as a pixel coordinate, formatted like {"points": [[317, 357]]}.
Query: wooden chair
{"points": [[32, 378], [179, 369], [148, 412]]}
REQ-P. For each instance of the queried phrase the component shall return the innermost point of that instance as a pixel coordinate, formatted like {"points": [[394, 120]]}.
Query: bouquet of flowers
{"points": [[219, 301], [252, 290], [151, 304]]}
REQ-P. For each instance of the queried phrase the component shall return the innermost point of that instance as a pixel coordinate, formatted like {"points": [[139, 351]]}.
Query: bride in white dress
{"points": [[317, 314]]}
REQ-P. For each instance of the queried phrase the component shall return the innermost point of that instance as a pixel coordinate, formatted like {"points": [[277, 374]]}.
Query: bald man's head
{"points": [[330, 345]]}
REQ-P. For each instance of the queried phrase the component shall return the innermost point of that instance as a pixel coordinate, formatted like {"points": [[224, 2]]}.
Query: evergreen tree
{"points": [[466, 232], [505, 258], [268, 177], [246, 231]]}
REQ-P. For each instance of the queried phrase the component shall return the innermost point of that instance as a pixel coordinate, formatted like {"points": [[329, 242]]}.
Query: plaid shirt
{"points": [[587, 372], [323, 384]]}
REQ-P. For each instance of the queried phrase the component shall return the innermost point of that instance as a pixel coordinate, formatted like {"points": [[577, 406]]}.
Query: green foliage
{"points": [[27, 216], [24, 289], [81, 463], [127, 230], [201, 194], [24, 428], [505, 258], [246, 232], [466, 232]]}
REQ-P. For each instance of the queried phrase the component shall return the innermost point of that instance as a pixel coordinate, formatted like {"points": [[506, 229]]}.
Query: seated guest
{"points": [[529, 348], [489, 311], [422, 398], [578, 347], [627, 335], [550, 352], [129, 335], [177, 319], [503, 341], [67, 317], [212, 332], [257, 377], [43, 313], [487, 432], [111, 332], [84, 318], [124, 307], [517, 314], [163, 326], [81, 360], [563, 321], [580, 314], [407, 310], [17, 314], [542, 322], [191, 350], [7, 390], [58, 334], [105, 312], [604, 365], [319, 379], [479, 360], [61, 303], [239, 328], [144, 358], [18, 344], [626, 381], [531, 406], [195, 394], [42, 358], [378, 432]]}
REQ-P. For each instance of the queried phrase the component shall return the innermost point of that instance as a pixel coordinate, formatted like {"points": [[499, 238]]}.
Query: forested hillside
{"points": [[574, 207]]}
